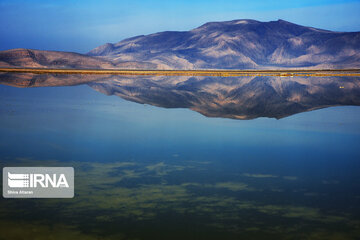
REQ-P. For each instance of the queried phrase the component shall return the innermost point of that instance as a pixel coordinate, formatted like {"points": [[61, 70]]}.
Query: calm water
{"points": [[198, 158]]}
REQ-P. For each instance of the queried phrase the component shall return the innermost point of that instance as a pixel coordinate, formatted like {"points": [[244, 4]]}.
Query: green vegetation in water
{"points": [[131, 200]]}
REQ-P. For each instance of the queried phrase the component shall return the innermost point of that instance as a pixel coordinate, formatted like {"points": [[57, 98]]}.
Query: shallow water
{"points": [[161, 169]]}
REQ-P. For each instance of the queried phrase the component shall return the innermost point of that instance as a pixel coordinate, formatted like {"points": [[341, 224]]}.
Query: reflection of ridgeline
{"points": [[233, 97], [238, 98], [46, 80]]}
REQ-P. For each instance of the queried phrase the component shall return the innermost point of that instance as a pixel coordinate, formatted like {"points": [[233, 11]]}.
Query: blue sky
{"points": [[82, 25]]}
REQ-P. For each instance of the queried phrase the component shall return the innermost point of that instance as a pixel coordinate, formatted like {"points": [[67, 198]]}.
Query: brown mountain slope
{"points": [[54, 59]]}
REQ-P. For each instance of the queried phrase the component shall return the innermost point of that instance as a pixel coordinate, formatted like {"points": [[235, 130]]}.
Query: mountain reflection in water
{"points": [[227, 97]]}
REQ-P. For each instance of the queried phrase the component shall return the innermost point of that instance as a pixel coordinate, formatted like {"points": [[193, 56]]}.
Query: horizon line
{"points": [[191, 72]]}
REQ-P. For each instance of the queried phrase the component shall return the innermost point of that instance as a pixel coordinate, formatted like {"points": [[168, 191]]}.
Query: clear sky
{"points": [[81, 25]]}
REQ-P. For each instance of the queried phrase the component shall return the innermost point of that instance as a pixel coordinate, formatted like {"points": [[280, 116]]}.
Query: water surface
{"points": [[185, 157]]}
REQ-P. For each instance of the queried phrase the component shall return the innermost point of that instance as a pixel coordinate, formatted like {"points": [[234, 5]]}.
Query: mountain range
{"points": [[237, 44]]}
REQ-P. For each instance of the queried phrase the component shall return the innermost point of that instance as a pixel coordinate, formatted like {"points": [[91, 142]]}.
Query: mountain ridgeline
{"points": [[238, 44]]}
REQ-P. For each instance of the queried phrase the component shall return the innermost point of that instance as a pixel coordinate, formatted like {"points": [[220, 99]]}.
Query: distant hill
{"points": [[54, 59], [238, 44]]}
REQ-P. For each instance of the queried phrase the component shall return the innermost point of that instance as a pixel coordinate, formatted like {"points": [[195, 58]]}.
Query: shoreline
{"points": [[202, 72]]}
